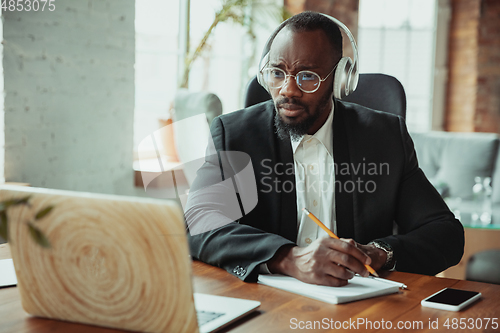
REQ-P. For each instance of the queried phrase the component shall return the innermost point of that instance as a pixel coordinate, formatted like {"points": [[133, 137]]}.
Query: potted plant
{"points": [[236, 11]]}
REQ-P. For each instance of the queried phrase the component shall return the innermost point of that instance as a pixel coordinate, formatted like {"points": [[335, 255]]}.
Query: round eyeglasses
{"points": [[307, 81]]}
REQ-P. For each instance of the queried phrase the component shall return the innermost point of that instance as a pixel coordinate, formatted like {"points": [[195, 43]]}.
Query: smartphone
{"points": [[451, 299]]}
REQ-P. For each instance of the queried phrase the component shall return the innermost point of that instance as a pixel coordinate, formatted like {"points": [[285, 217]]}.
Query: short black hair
{"points": [[309, 21]]}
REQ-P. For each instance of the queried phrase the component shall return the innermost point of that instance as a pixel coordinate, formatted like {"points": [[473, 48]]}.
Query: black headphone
{"points": [[346, 76]]}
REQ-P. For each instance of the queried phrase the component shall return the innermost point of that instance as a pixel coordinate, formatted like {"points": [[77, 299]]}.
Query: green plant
{"points": [[235, 11], [34, 231]]}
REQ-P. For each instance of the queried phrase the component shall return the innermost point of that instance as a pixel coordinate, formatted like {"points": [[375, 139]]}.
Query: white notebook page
{"points": [[358, 288]]}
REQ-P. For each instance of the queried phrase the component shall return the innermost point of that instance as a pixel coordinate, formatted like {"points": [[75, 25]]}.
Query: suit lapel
{"points": [[343, 199], [287, 199]]}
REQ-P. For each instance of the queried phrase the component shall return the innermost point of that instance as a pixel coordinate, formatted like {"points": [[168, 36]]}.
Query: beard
{"points": [[297, 130]]}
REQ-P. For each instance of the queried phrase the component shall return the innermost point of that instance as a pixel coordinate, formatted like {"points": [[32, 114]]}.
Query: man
{"points": [[353, 167]]}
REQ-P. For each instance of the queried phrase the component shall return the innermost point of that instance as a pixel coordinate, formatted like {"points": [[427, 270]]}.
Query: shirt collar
{"points": [[323, 135]]}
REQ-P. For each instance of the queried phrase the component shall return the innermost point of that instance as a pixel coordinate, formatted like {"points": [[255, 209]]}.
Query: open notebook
{"points": [[358, 288]]}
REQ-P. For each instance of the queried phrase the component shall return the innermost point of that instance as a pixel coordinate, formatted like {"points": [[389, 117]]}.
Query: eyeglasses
{"points": [[307, 81]]}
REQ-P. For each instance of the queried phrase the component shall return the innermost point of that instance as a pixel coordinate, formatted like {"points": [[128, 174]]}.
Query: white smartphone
{"points": [[451, 299]]}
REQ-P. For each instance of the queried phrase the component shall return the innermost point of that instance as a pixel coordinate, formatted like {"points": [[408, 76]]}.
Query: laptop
{"points": [[113, 261]]}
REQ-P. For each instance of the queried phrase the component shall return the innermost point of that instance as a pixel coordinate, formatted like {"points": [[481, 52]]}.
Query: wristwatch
{"points": [[390, 262]]}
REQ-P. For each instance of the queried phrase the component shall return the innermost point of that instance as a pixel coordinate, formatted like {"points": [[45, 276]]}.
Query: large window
{"points": [[224, 68], [156, 31], [397, 37], [221, 69]]}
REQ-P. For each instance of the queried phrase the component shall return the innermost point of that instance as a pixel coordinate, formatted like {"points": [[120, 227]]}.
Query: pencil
{"points": [[329, 232]]}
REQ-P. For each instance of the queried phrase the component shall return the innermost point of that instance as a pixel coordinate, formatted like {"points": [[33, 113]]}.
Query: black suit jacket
{"points": [[378, 182]]}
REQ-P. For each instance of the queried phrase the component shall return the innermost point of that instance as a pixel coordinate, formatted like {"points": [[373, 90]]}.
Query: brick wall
{"points": [[473, 103], [488, 68], [345, 11], [462, 66], [69, 96]]}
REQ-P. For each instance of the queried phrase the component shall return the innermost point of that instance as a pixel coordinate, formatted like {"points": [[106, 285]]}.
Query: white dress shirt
{"points": [[315, 182]]}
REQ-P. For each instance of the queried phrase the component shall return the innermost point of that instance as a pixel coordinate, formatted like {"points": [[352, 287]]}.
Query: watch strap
{"points": [[390, 262]]}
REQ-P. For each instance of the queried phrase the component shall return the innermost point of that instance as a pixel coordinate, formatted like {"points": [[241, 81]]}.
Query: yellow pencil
{"points": [[329, 232]]}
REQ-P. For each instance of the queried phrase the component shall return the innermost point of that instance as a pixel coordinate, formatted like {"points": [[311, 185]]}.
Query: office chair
{"points": [[483, 267], [376, 91], [255, 93]]}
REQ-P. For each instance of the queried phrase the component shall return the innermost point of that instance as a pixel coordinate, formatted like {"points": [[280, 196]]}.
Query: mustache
{"points": [[286, 100]]}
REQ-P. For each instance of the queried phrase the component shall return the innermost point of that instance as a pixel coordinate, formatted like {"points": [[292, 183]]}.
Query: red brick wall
{"points": [[488, 68], [345, 11], [462, 60], [473, 102]]}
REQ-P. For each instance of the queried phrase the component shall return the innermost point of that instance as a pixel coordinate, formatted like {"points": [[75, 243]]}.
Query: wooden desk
{"points": [[279, 307]]}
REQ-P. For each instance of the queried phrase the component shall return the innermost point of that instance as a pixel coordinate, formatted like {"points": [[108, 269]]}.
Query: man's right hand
{"points": [[326, 261]]}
